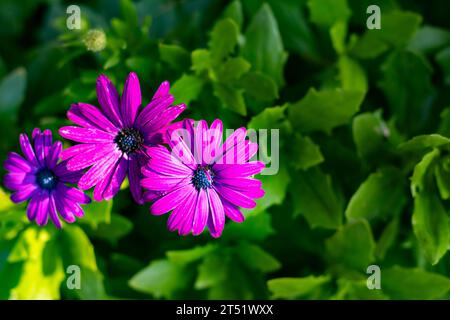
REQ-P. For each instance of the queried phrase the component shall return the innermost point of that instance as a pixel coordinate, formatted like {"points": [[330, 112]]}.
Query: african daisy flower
{"points": [[202, 180], [40, 178], [115, 139]]}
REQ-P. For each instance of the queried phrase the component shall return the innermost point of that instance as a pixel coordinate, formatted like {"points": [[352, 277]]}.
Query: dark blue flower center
{"points": [[46, 179], [203, 177], [129, 140]]}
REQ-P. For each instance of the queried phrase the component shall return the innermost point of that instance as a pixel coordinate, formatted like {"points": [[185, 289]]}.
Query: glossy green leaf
{"points": [[224, 38], [304, 153], [259, 86], [97, 212], [387, 238], [183, 257], [41, 269], [187, 89], [383, 194], [201, 60], [424, 142], [352, 75], [275, 187], [256, 227], [161, 278], [234, 12], [231, 98], [176, 56], [324, 110], [352, 246], [414, 283], [315, 199], [233, 69], [325, 13], [291, 288], [409, 97], [431, 225], [256, 258], [263, 46], [371, 135]]}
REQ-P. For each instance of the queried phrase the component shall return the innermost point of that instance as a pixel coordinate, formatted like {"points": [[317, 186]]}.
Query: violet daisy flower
{"points": [[41, 179], [116, 138], [202, 180]]}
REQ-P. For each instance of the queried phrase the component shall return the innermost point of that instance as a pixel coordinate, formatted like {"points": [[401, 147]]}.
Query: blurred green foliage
{"points": [[364, 146]]}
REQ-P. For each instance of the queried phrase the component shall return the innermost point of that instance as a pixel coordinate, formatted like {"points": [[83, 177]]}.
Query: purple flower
{"points": [[116, 138], [202, 180], [42, 180]]}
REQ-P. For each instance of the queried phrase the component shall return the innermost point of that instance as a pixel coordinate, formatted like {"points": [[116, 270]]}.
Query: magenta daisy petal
{"points": [[40, 179], [198, 181], [115, 140]]}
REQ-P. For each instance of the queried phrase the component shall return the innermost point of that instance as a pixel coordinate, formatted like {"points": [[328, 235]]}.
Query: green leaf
{"points": [[77, 249], [295, 29], [113, 231], [5, 202], [201, 60], [234, 12], [263, 46], [233, 69], [224, 37], [256, 227], [413, 283], [212, 271], [187, 89], [304, 153], [129, 13], [387, 238], [351, 289], [41, 269], [175, 56], [338, 33], [324, 110], [430, 220], [398, 27], [314, 198], [161, 278], [325, 13], [443, 181], [259, 86], [422, 171], [371, 135], [431, 225], [114, 60], [255, 258], [12, 93], [380, 196], [292, 288], [429, 38], [409, 97], [368, 46], [97, 212], [424, 142], [275, 187], [352, 75], [231, 98], [184, 257], [269, 118], [352, 246], [444, 126], [140, 63]]}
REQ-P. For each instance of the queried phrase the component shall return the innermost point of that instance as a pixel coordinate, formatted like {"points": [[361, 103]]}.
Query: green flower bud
{"points": [[95, 40]]}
